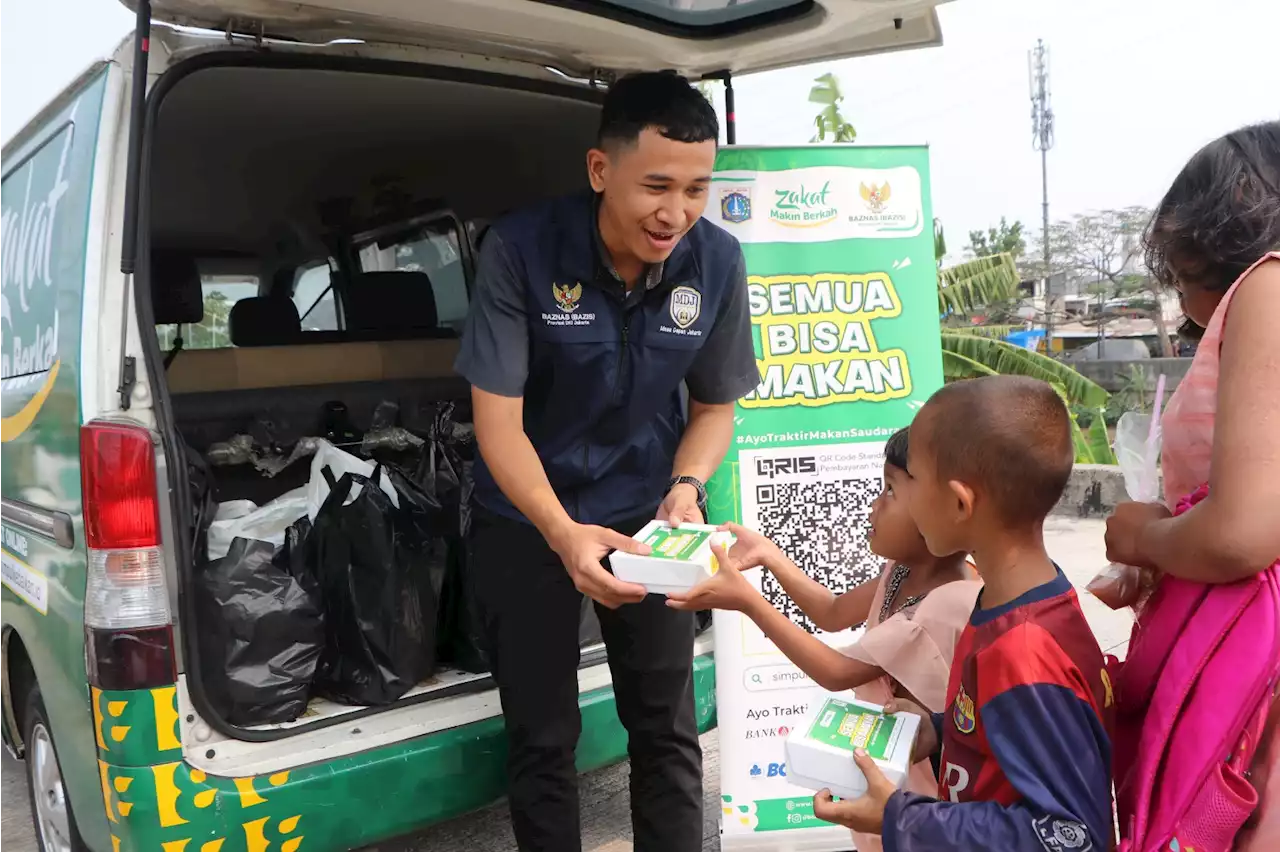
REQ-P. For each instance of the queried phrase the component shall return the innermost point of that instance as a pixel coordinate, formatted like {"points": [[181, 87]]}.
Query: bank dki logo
{"points": [[770, 468], [876, 197], [735, 205]]}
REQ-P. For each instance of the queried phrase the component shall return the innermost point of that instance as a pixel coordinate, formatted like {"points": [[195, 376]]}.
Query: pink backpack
{"points": [[1192, 699]]}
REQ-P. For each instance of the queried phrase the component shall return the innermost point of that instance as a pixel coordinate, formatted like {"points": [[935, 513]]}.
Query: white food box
{"points": [[820, 750], [680, 557]]}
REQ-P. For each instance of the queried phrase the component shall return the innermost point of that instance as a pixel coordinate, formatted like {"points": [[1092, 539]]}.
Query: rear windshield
{"points": [[432, 248], [699, 14]]}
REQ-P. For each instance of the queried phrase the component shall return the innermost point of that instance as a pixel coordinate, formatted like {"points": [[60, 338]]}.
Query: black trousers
{"points": [[529, 612]]}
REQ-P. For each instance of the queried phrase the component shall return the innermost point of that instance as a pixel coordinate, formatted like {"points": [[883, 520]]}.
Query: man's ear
{"points": [[964, 498], [597, 168]]}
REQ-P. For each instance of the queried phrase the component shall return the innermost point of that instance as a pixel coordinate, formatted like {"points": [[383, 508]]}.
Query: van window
{"points": [[433, 249], [313, 296], [221, 292], [697, 13]]}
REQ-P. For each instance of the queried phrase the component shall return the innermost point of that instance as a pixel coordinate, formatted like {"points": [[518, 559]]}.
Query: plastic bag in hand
{"points": [[375, 565], [1119, 586], [261, 629]]}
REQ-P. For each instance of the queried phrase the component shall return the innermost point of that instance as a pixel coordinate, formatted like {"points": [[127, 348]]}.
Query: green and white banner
{"points": [[843, 294]]}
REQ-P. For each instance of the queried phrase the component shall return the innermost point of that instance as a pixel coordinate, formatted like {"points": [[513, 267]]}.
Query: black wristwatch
{"points": [[697, 486]]}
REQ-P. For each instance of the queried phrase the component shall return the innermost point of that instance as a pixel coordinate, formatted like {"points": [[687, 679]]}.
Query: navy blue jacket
{"points": [[601, 371]]}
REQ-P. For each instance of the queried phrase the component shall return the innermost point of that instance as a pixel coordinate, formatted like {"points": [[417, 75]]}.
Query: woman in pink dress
{"points": [[914, 613], [1215, 238]]}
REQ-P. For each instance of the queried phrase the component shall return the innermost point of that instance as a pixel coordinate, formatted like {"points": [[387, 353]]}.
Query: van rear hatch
{"points": [[583, 38]]}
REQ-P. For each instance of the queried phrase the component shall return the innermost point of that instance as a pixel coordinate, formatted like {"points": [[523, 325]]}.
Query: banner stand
{"points": [[842, 285]]}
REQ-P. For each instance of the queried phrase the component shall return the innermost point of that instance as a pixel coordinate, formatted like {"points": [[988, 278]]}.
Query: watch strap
{"points": [[690, 480]]}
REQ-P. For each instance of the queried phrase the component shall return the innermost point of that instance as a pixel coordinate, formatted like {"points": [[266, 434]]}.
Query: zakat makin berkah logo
{"points": [[567, 296], [735, 205], [876, 197]]}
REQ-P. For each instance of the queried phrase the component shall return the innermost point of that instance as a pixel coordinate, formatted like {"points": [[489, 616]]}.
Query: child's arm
{"points": [[829, 668], [728, 589], [1051, 747], [830, 612]]}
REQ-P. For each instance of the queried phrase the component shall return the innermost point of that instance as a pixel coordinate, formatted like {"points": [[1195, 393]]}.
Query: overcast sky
{"points": [[1138, 86]]}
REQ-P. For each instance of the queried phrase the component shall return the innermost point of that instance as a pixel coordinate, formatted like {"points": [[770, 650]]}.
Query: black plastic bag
{"points": [[261, 629], [445, 472], [374, 562]]}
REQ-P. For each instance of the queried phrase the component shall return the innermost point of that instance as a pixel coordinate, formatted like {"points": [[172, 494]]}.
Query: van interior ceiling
{"points": [[335, 212]]}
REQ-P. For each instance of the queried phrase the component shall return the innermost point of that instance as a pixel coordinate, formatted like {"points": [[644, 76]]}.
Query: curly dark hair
{"points": [[1222, 212]]}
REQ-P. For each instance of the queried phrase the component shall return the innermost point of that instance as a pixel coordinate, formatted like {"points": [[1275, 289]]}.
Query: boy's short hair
{"points": [[895, 449], [661, 100], [1008, 437]]}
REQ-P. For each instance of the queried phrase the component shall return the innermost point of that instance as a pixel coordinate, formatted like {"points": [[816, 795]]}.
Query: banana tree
{"points": [[973, 351], [977, 283], [829, 121]]}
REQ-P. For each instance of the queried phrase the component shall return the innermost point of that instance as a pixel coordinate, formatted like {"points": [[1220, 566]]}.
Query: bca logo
{"points": [[686, 305], [769, 468], [774, 770]]}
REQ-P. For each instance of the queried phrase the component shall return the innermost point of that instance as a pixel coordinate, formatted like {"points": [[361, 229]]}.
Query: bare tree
{"points": [[1104, 249]]}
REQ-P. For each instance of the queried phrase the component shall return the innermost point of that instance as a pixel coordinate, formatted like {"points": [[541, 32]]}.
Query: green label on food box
{"points": [[675, 544], [850, 727]]}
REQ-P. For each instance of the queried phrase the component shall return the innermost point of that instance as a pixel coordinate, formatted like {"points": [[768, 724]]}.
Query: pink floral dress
{"points": [[1187, 427]]}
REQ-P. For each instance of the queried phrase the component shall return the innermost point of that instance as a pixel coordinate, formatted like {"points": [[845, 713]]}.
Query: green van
{"points": [[187, 235]]}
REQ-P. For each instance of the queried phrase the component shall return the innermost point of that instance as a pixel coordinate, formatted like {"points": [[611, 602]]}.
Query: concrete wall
{"points": [[1113, 375], [1092, 492]]}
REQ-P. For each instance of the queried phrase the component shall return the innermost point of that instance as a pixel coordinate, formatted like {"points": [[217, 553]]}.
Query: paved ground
{"points": [[1076, 544]]}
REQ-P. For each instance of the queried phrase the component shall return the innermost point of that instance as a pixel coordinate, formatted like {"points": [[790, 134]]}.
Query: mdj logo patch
{"points": [[686, 306]]}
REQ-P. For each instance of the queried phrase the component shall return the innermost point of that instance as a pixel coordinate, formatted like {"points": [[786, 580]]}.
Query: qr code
{"points": [[824, 527]]}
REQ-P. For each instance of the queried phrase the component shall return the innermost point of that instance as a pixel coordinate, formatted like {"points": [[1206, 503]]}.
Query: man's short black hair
{"points": [[895, 449], [662, 100]]}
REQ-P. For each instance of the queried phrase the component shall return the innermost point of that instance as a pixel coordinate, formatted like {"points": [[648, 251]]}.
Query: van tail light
{"points": [[126, 607]]}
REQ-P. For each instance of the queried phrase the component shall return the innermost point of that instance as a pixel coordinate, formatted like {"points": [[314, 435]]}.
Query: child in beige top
{"points": [[913, 612]]}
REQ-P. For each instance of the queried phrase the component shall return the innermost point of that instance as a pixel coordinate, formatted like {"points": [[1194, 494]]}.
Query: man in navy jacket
{"points": [[608, 341]]}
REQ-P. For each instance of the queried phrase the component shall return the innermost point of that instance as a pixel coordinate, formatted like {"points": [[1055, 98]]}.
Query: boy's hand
{"points": [[865, 814], [727, 588], [752, 550], [927, 738]]}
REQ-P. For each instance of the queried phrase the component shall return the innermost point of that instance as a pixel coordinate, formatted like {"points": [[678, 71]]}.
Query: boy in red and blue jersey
{"points": [[1025, 760]]}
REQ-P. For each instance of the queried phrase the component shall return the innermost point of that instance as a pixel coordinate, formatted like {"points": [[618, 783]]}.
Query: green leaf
{"points": [[999, 332], [956, 366], [1100, 441], [1009, 360], [970, 285]]}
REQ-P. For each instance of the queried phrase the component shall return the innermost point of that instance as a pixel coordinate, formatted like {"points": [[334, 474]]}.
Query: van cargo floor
{"points": [[323, 708]]}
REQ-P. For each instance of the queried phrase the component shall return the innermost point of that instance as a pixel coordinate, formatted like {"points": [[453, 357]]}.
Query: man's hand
{"points": [[865, 814], [581, 548], [727, 588], [927, 738], [680, 506]]}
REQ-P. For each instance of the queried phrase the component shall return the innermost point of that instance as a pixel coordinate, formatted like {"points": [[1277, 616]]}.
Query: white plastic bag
{"points": [[339, 462], [1137, 448], [242, 519]]}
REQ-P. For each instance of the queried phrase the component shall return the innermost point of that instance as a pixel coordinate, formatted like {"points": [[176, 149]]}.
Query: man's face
{"points": [[654, 191], [933, 502]]}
